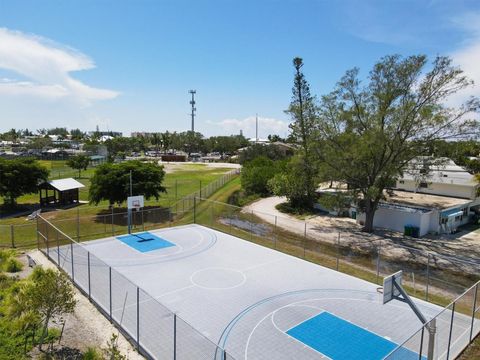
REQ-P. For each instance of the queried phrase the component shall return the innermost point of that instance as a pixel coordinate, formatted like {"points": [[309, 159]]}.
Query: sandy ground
{"points": [[87, 327], [328, 228], [170, 167]]}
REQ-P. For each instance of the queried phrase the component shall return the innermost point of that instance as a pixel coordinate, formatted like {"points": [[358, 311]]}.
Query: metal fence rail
{"points": [[440, 279], [156, 331], [110, 221]]}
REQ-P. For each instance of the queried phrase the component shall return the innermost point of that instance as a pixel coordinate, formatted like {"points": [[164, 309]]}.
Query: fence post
{"points": [[12, 235], [338, 251], [78, 224], [200, 189], [88, 274], [304, 238], [428, 276], [113, 229], [110, 291], [176, 189], [174, 336], [194, 209], [138, 319], [251, 226], [378, 263], [275, 235], [71, 255], [450, 332], [474, 306], [58, 249], [38, 235]]}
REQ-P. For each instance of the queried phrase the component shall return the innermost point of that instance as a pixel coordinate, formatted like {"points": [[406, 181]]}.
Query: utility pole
{"points": [[192, 102]]}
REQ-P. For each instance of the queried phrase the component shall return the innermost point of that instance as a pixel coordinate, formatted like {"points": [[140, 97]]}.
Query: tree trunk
{"points": [[369, 215], [44, 333]]}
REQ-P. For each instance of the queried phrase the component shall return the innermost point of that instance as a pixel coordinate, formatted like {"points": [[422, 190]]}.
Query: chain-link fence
{"points": [[447, 334], [108, 221], [156, 331], [436, 278]]}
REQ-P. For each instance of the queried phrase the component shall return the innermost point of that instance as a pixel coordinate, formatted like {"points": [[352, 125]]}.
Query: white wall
{"points": [[396, 219], [445, 189]]}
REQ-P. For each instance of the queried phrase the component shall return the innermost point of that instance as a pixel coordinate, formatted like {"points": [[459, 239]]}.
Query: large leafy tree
{"points": [[79, 162], [19, 177], [112, 181], [369, 133]]}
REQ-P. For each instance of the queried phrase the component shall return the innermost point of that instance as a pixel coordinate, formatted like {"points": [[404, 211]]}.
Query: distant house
{"points": [[433, 198]]}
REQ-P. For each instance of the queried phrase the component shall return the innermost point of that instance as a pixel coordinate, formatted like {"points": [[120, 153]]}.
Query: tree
{"points": [[156, 141], [45, 297], [257, 150], [369, 134], [77, 134], [291, 183], [302, 109], [112, 181], [256, 174], [78, 162], [19, 177]]}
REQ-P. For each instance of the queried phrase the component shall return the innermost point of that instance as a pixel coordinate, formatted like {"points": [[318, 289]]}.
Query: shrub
{"points": [[12, 265], [92, 354], [256, 174]]}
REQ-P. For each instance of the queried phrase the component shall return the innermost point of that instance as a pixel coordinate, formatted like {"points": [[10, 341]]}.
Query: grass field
{"points": [[184, 180]]}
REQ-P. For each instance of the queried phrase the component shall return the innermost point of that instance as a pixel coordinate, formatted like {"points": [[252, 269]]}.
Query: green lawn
{"points": [[185, 180]]}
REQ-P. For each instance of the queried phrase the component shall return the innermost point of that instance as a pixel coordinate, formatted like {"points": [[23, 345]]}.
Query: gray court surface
{"points": [[242, 296]]}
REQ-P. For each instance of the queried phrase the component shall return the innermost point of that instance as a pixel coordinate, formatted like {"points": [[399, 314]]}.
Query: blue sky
{"points": [[128, 65]]}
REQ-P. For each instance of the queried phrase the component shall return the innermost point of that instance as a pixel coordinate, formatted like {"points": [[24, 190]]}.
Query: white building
{"points": [[433, 198]]}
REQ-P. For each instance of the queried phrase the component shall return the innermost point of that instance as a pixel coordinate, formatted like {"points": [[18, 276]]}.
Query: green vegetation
{"points": [[28, 307], [19, 177], [257, 173], [111, 182], [92, 354], [79, 162], [9, 262]]}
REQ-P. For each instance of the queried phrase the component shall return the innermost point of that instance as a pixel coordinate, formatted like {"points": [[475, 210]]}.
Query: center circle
{"points": [[218, 278]]}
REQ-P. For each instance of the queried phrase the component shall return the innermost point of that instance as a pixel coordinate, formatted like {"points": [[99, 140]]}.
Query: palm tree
{"points": [[156, 140]]}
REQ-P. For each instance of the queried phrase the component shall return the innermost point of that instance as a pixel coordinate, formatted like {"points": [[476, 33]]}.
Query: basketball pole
{"points": [[129, 211], [431, 326]]}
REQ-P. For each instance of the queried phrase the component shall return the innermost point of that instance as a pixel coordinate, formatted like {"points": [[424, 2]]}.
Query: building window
{"points": [[401, 181], [423, 185]]}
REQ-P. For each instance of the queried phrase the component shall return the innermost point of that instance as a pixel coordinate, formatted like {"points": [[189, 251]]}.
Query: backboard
{"points": [[390, 292], [135, 202]]}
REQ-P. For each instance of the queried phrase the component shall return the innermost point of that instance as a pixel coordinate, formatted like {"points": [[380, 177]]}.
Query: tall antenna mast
{"points": [[192, 102]]}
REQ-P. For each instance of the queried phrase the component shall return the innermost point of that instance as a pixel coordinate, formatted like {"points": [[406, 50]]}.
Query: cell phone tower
{"points": [[192, 102]]}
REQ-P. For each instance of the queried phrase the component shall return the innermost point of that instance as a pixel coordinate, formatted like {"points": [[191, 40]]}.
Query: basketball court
{"points": [[254, 302]]}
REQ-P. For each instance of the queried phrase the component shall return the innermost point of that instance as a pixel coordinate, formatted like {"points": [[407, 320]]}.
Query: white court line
{"points": [[318, 299], [174, 291], [262, 264], [262, 320]]}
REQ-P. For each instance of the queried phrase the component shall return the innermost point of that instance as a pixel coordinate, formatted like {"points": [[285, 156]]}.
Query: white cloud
{"points": [[46, 66], [467, 56], [266, 126]]}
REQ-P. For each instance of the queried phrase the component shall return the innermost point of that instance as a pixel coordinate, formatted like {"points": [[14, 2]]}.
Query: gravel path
{"points": [[326, 228]]}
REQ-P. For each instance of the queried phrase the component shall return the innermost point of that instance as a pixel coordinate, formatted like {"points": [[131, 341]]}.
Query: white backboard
{"points": [[390, 291], [135, 202]]}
